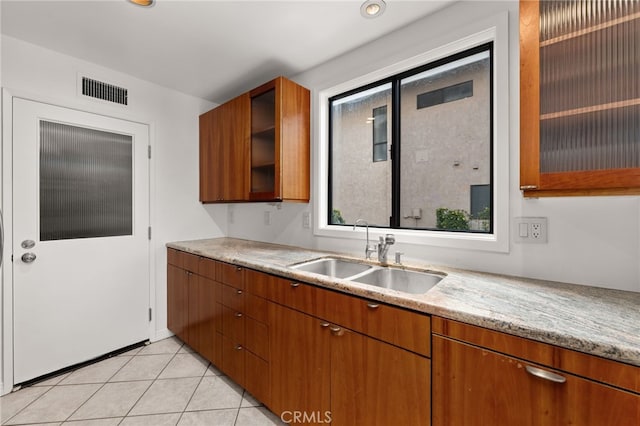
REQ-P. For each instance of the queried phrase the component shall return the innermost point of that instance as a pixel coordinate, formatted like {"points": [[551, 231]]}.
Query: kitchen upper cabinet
{"points": [[279, 165], [579, 98], [224, 136], [256, 146], [482, 377]]}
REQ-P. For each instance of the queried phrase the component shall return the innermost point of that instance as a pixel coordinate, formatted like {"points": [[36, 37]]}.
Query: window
{"points": [[437, 123], [379, 120], [446, 94]]}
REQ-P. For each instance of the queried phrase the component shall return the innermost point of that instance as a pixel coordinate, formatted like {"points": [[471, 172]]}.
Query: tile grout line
{"points": [[29, 404], [194, 390], [97, 390], [152, 382]]}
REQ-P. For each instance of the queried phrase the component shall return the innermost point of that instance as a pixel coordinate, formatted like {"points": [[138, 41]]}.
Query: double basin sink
{"points": [[404, 280]]}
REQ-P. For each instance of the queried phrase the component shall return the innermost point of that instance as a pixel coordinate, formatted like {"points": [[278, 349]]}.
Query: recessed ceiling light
{"points": [[145, 3], [372, 8]]}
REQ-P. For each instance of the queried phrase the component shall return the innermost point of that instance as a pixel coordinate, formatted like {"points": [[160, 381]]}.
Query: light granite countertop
{"points": [[593, 320]]}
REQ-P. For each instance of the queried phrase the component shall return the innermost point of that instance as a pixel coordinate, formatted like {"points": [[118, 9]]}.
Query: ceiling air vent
{"points": [[105, 91]]}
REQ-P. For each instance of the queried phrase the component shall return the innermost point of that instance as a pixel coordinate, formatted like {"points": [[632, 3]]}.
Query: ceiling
{"points": [[209, 48]]}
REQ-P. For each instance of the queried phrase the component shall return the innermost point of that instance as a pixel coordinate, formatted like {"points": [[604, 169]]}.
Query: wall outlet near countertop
{"points": [[530, 230]]}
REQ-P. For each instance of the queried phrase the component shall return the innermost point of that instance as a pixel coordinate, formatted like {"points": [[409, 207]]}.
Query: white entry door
{"points": [[80, 237]]}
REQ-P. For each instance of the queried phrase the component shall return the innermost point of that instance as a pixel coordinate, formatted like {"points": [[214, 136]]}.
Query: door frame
{"points": [[6, 204]]}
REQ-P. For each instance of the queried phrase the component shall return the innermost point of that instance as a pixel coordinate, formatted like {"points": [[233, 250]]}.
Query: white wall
{"points": [[41, 74], [592, 240]]}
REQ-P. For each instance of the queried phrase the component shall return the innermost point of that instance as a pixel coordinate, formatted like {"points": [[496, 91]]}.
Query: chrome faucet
{"points": [[383, 247], [367, 249]]}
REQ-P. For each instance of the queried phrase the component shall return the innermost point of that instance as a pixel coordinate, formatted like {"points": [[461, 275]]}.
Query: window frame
{"points": [[497, 240], [396, 131]]}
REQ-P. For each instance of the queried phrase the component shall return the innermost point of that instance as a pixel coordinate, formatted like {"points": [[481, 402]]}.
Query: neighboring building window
{"points": [[446, 94], [437, 154], [380, 133]]}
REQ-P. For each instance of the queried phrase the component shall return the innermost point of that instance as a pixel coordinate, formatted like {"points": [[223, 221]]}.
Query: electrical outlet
{"points": [[306, 220], [530, 230], [267, 217]]}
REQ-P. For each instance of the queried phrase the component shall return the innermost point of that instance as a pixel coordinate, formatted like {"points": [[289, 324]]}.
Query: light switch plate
{"points": [[530, 230]]}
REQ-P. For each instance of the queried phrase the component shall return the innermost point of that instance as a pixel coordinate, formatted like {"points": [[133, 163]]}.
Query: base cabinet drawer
{"points": [[257, 379], [257, 337], [233, 355], [231, 275], [485, 377], [400, 327], [233, 324], [295, 295]]}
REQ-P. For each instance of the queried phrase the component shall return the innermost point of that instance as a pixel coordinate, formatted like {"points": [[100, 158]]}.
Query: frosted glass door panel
{"points": [[86, 182], [589, 85]]}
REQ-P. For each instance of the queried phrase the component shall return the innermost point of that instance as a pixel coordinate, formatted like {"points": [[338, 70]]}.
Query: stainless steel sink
{"points": [[333, 267], [404, 280]]}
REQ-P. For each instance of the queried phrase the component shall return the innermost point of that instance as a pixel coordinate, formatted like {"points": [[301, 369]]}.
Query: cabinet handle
{"points": [[238, 347], [335, 328], [293, 284], [238, 314], [373, 305], [239, 291], [238, 268], [544, 374], [324, 324]]}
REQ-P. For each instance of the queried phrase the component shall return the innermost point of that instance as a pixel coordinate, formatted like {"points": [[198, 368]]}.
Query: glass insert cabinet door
{"points": [[580, 97], [263, 142]]}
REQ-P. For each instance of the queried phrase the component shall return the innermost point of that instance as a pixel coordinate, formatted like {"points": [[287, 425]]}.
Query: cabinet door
{"points": [[579, 98], [374, 383], [475, 386], [235, 146], [204, 311], [300, 362], [279, 143], [177, 301], [211, 182], [224, 133]]}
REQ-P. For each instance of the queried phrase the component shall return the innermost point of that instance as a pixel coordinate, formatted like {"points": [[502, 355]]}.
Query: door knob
{"points": [[28, 257], [27, 244]]}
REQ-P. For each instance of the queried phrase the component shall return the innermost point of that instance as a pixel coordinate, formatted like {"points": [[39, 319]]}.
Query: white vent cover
{"points": [[105, 91]]}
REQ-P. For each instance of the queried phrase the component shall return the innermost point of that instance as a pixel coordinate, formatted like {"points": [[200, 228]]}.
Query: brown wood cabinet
{"points": [[482, 377], [579, 99], [224, 136], [210, 310], [323, 368], [300, 364], [375, 383], [256, 146], [279, 149], [193, 308]]}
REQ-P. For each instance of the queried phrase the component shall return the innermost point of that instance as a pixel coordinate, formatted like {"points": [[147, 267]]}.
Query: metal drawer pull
{"points": [[238, 268], [372, 305], [324, 324], [295, 284], [546, 375], [335, 328], [239, 347], [239, 291], [238, 314]]}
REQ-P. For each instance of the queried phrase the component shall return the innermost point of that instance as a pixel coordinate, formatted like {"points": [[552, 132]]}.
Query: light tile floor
{"points": [[164, 383]]}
